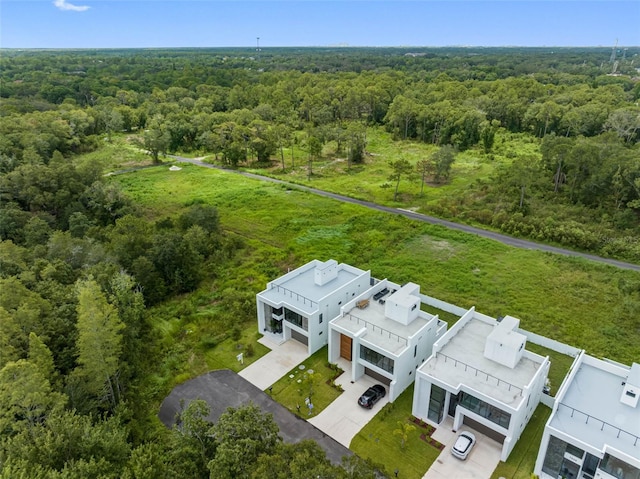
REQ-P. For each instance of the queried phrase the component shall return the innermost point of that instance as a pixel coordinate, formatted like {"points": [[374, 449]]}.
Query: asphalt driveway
{"points": [[223, 389]]}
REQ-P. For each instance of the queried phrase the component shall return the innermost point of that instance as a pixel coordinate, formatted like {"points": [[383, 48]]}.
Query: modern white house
{"points": [[384, 334], [481, 374], [300, 304], [594, 427]]}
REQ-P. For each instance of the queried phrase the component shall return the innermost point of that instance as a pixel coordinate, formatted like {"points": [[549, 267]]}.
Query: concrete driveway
{"points": [[272, 366], [344, 418], [480, 464]]}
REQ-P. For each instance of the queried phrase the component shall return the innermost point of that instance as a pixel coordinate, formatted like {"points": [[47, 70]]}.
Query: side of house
{"points": [[594, 427]]}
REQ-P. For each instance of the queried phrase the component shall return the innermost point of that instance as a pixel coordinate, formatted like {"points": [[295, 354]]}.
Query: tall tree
{"points": [[242, 435], [443, 160], [99, 342], [399, 169]]}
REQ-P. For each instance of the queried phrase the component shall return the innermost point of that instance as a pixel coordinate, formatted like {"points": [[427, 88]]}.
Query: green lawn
{"points": [[378, 442], [522, 459], [307, 380]]}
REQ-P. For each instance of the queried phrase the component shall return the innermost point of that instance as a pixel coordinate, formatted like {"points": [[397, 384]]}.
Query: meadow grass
{"points": [[370, 181], [378, 442], [571, 300]]}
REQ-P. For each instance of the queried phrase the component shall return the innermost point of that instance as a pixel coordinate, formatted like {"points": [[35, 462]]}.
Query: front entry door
{"points": [[346, 345]]}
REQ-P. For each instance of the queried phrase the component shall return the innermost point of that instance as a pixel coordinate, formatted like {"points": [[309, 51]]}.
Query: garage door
{"points": [[299, 337], [346, 346], [377, 376], [482, 429]]}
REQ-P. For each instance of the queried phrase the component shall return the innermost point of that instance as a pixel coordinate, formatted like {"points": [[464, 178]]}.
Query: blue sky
{"points": [[209, 23]]}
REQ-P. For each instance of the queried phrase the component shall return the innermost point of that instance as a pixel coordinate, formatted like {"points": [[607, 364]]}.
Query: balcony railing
{"points": [[373, 328], [292, 294], [600, 424], [480, 374]]}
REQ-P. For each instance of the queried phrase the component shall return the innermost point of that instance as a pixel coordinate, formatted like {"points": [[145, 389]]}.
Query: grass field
{"points": [[365, 181], [568, 299]]}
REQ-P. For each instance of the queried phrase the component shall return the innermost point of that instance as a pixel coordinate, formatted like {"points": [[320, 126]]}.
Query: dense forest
{"points": [[80, 264]]}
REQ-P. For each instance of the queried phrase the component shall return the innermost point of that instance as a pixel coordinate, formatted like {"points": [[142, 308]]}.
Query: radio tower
{"points": [[258, 46], [613, 53]]}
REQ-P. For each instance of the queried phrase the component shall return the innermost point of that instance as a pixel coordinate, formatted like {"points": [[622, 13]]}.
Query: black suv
{"points": [[372, 396]]}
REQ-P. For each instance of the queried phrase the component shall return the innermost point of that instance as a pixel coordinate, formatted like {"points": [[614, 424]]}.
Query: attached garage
{"points": [[481, 428], [377, 376], [299, 337]]}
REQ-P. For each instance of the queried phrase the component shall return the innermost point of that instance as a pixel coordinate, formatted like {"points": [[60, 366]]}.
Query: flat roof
{"points": [[301, 291], [461, 361], [592, 399], [385, 333]]}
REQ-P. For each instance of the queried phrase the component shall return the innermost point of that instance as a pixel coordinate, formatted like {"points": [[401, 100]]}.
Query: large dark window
{"points": [[617, 468], [376, 359], [295, 318], [556, 464], [436, 404], [485, 410]]}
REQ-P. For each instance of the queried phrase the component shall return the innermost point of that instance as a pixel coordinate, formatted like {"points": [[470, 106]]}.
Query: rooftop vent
{"points": [[631, 390], [325, 272]]}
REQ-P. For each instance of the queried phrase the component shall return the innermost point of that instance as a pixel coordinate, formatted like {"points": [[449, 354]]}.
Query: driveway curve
{"points": [[223, 388], [502, 238]]}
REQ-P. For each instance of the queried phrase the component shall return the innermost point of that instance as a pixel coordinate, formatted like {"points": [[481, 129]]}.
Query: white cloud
{"points": [[63, 5]]}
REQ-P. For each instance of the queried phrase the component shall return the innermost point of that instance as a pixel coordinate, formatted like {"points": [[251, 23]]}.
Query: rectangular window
{"points": [[376, 359], [415, 350], [618, 468], [320, 318], [485, 410], [436, 404], [295, 318]]}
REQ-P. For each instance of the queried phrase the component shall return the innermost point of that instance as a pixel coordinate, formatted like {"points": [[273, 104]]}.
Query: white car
{"points": [[463, 445]]}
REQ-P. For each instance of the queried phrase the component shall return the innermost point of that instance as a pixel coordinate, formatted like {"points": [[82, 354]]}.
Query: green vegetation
{"points": [[224, 354], [378, 442], [311, 379], [522, 459], [115, 289], [449, 265]]}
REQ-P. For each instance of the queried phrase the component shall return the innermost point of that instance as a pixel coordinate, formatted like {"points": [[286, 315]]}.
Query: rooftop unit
{"points": [[504, 345], [325, 272], [403, 306]]}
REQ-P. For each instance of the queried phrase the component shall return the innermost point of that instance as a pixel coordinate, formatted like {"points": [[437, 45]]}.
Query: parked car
{"points": [[463, 445], [372, 396]]}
